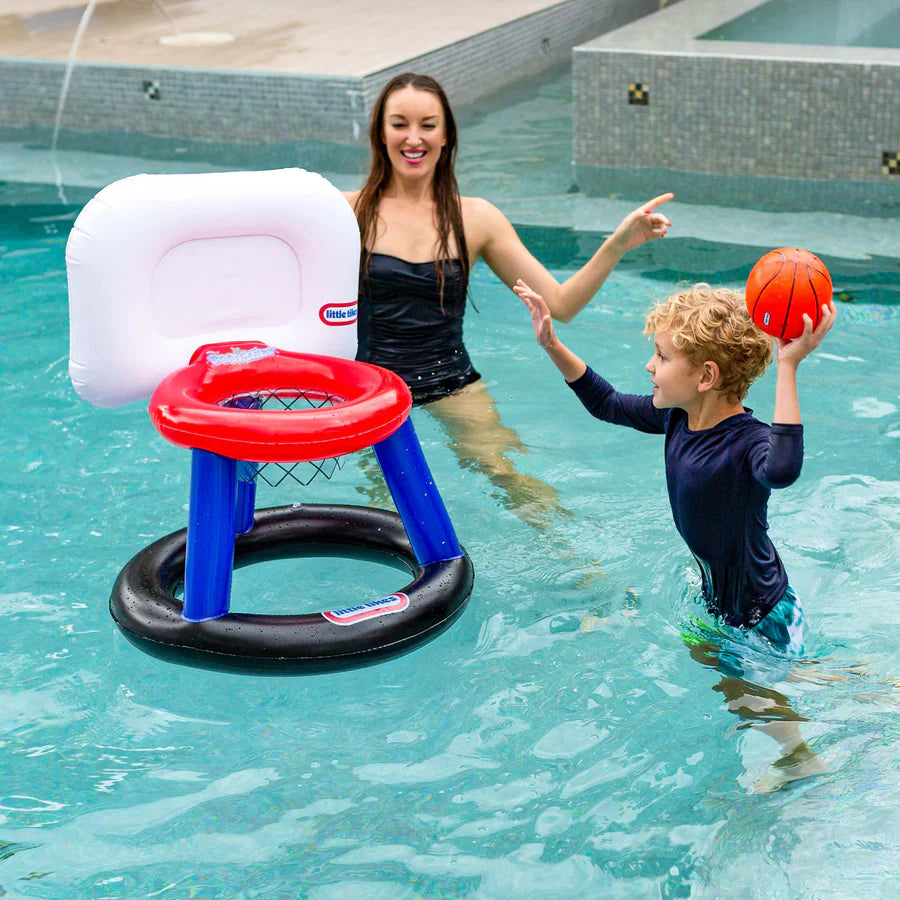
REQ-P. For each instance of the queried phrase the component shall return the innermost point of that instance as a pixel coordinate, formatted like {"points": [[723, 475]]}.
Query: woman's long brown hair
{"points": [[445, 190]]}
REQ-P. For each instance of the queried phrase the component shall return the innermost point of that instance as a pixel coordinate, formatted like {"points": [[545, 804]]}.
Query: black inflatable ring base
{"points": [[144, 606]]}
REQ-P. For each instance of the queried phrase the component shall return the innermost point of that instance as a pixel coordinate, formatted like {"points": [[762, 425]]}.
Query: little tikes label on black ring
{"points": [[384, 607]]}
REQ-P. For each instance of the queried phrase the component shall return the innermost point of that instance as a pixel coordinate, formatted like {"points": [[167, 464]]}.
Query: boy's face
{"points": [[675, 379]]}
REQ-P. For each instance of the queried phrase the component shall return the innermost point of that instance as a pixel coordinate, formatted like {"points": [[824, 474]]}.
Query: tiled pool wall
{"points": [[814, 133], [190, 104], [199, 104], [486, 62]]}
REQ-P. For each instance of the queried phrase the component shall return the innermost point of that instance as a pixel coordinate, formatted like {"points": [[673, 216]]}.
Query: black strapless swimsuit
{"points": [[404, 327]]}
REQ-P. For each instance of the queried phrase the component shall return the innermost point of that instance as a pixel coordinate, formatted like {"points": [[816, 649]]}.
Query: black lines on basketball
{"points": [[785, 285]]}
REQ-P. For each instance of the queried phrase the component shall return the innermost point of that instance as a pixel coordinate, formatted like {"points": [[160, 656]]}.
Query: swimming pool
{"points": [[558, 740], [833, 22]]}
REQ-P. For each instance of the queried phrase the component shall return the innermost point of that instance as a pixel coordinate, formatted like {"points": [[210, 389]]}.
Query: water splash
{"points": [[67, 78], [63, 93]]}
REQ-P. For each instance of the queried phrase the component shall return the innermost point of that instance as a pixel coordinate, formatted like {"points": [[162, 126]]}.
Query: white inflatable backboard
{"points": [[160, 264]]}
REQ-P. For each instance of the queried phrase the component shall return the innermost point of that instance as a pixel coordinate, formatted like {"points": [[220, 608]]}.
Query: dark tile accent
{"points": [[638, 94], [890, 163]]}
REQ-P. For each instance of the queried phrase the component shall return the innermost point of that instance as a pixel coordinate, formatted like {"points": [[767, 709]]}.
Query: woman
{"points": [[420, 239]]}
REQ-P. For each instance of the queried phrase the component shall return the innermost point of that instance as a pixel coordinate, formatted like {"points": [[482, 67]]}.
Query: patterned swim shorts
{"points": [[764, 654]]}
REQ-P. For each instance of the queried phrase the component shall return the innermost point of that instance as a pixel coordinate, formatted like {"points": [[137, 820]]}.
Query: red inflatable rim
{"points": [[185, 407]]}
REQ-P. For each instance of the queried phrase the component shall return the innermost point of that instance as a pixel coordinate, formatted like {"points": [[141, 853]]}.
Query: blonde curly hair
{"points": [[709, 323]]}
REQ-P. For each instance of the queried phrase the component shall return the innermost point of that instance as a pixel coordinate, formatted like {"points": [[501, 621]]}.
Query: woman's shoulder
{"points": [[351, 197], [478, 207], [482, 219]]}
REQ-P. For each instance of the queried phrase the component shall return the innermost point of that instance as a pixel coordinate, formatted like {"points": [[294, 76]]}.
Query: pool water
{"points": [[842, 23], [557, 741]]}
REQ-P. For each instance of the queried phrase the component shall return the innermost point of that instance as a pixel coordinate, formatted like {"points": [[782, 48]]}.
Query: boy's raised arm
{"points": [[571, 366], [790, 355]]}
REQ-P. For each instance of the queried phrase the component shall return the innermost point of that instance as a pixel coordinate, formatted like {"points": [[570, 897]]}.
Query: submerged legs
{"points": [[483, 445], [769, 711]]}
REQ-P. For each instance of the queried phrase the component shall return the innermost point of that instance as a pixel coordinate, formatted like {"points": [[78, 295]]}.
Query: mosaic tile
{"points": [[638, 94]]}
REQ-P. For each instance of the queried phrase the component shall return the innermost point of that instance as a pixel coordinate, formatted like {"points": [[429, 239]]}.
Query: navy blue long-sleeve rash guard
{"points": [[719, 482]]}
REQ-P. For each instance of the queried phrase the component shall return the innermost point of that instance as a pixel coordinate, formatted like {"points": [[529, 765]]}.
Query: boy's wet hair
{"points": [[709, 323]]}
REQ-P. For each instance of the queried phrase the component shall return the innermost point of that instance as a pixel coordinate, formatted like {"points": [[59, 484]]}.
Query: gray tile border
{"points": [[216, 105]]}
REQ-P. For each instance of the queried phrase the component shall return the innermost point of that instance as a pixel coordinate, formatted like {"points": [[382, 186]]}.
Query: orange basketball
{"points": [[783, 285]]}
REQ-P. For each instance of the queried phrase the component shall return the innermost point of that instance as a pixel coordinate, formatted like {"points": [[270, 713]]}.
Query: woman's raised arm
{"points": [[491, 235]]}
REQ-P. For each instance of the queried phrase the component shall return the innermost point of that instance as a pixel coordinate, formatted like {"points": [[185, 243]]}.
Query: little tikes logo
{"points": [[371, 610], [338, 313]]}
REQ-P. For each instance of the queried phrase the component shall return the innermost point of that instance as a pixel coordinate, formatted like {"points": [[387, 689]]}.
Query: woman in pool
{"points": [[420, 239]]}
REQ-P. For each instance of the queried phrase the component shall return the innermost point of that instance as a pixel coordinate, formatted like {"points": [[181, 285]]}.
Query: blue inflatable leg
{"points": [[245, 502], [210, 536], [417, 499]]}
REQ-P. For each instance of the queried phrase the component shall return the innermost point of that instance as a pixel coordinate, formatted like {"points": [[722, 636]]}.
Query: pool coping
{"points": [[674, 32]]}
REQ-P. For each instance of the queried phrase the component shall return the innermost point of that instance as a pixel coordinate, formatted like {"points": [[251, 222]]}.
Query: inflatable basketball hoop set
{"points": [[230, 298]]}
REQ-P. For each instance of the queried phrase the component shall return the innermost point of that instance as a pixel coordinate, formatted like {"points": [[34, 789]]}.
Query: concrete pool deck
{"points": [[342, 37]]}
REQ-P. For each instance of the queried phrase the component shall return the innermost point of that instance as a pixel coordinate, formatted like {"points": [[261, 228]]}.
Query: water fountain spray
{"points": [[63, 93]]}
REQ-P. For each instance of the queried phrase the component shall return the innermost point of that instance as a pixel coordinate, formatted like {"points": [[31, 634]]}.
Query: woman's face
{"points": [[414, 132]]}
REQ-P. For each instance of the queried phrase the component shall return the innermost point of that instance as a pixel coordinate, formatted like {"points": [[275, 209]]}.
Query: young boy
{"points": [[721, 462]]}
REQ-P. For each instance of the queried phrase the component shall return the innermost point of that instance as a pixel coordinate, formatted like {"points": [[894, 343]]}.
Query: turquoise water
{"points": [[842, 23], [517, 755], [558, 740]]}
